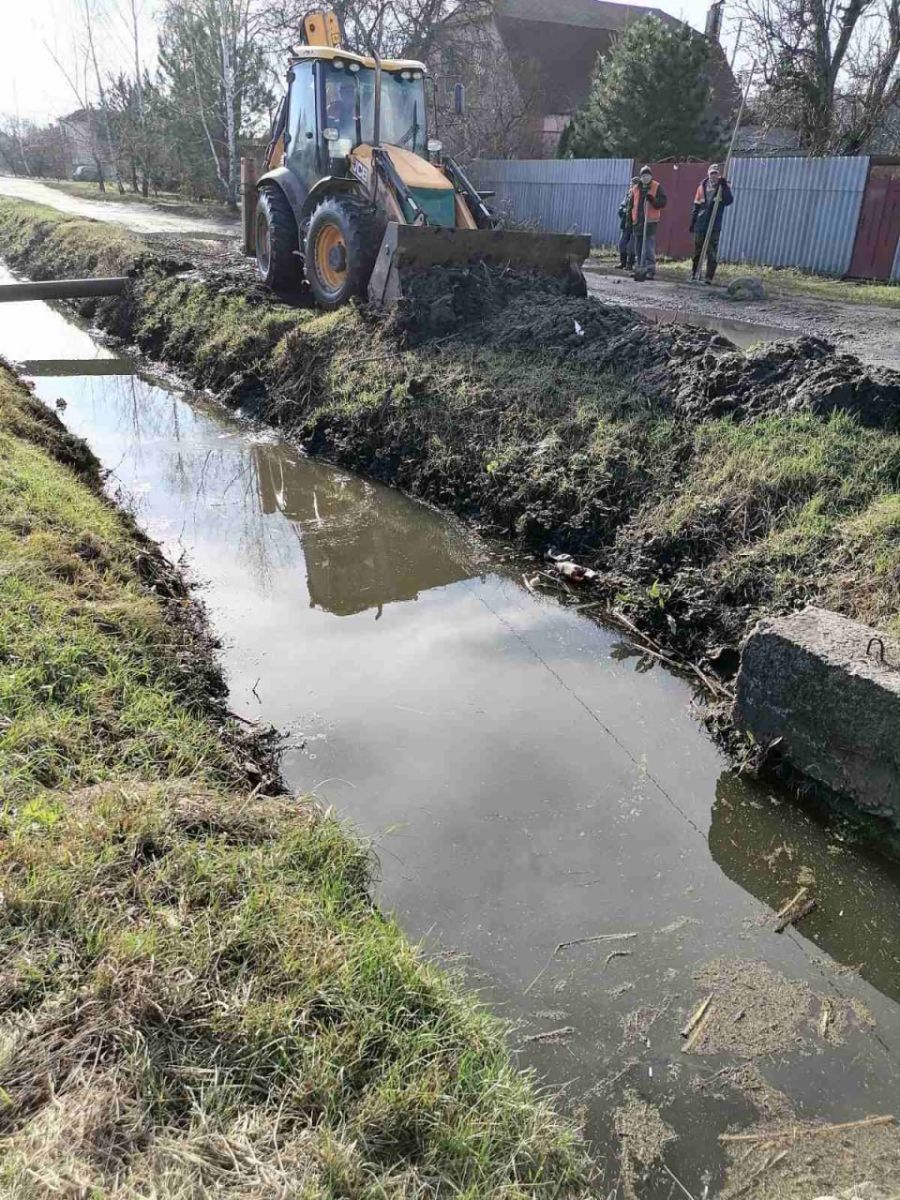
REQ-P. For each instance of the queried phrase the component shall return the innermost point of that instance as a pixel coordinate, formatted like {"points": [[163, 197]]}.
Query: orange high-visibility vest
{"points": [[653, 214]]}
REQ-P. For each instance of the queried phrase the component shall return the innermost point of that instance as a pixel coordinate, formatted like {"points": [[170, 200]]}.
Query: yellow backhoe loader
{"points": [[355, 193]]}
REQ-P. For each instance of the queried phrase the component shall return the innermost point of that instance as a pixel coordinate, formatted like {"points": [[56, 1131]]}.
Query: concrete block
{"points": [[807, 679]]}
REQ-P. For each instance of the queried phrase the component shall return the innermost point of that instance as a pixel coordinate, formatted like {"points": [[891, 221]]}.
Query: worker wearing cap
{"points": [[626, 234], [705, 205], [649, 193]]}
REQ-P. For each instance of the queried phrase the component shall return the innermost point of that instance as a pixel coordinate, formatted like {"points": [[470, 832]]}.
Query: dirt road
{"points": [[141, 218], [871, 332]]}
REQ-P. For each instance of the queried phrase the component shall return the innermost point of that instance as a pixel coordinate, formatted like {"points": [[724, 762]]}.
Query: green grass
{"points": [[55, 245], [780, 282], [198, 998]]}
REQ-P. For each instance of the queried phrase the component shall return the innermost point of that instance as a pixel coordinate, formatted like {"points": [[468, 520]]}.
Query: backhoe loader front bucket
{"points": [[410, 249]]}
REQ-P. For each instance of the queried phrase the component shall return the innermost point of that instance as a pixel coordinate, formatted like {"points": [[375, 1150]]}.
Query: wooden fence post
{"points": [[248, 204]]}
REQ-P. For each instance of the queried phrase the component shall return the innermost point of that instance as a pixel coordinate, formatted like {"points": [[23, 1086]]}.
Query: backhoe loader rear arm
{"points": [[484, 219], [381, 161]]}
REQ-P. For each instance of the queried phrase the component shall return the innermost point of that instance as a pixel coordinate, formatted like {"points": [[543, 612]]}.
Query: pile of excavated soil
{"points": [[693, 372]]}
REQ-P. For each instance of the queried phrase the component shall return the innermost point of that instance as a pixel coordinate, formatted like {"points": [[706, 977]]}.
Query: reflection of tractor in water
{"points": [[355, 191], [362, 548]]}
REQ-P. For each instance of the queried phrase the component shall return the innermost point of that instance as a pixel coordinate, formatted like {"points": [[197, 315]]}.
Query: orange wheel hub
{"points": [[331, 257]]}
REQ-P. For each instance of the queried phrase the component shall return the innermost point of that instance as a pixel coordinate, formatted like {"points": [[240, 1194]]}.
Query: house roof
{"points": [[553, 46]]}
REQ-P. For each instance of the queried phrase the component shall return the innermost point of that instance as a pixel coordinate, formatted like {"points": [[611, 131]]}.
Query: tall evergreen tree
{"points": [[650, 98]]}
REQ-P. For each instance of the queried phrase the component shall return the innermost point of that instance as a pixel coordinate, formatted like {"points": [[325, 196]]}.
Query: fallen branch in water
{"points": [[698, 1029], [650, 646], [795, 915], [793, 1131], [600, 937], [550, 1035], [792, 903], [697, 1016]]}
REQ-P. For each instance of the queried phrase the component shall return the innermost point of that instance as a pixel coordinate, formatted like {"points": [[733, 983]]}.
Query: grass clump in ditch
{"points": [[197, 996], [788, 509], [51, 245], [227, 338], [97, 679]]}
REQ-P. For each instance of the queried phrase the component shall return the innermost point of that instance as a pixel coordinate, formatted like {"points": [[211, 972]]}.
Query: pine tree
{"points": [[650, 98]]}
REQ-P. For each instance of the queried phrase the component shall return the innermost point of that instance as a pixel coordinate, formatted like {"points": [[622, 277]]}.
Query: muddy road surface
{"points": [[550, 816], [141, 218], [871, 332]]}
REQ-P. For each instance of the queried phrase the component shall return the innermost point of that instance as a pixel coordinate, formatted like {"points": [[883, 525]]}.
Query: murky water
{"points": [[743, 333], [528, 780]]}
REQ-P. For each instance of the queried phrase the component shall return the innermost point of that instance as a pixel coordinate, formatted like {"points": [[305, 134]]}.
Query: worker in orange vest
{"points": [[710, 201], [648, 192]]}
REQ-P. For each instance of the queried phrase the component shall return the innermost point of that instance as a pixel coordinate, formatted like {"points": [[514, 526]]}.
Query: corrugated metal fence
{"points": [[795, 212], [557, 194], [787, 212]]}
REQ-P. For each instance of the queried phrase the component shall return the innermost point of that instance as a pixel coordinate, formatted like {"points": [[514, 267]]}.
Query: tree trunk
{"points": [[228, 87]]}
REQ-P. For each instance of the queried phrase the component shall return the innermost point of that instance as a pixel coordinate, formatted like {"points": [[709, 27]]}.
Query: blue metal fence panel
{"points": [[895, 269], [560, 195], [795, 212]]}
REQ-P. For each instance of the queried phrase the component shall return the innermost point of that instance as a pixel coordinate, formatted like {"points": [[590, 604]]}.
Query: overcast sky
{"points": [[31, 83]]}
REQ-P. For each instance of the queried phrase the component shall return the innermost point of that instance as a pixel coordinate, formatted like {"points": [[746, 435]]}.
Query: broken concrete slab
{"points": [[827, 689]]}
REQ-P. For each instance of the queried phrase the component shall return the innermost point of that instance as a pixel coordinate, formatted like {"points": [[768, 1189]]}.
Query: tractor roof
{"points": [[303, 53]]}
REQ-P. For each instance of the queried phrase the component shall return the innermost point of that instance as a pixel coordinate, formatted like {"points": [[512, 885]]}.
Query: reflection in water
{"points": [[360, 547], [743, 333], [771, 847]]}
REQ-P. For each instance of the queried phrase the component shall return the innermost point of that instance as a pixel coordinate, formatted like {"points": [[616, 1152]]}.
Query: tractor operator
{"points": [[648, 199], [341, 108], [712, 196]]}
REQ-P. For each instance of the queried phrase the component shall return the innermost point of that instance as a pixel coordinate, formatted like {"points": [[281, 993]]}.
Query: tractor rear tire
{"points": [[276, 241], [341, 246]]}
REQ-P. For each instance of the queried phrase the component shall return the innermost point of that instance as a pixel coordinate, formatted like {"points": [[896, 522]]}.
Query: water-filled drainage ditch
{"points": [[527, 779]]}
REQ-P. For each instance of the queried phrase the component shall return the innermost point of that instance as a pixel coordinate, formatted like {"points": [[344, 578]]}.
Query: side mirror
{"points": [[459, 99]]}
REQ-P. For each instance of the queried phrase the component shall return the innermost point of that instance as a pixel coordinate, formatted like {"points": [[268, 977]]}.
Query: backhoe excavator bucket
{"points": [[409, 249]]}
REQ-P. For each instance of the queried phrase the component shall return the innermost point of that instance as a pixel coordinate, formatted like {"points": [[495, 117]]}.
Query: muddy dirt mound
{"points": [[693, 372]]}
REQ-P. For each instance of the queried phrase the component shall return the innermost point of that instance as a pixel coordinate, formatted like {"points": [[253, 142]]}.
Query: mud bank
{"points": [[706, 487], [198, 997]]}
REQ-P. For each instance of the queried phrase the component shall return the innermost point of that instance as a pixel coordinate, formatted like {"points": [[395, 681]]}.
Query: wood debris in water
{"points": [[795, 1132], [552, 1035], [599, 937], [696, 1016]]}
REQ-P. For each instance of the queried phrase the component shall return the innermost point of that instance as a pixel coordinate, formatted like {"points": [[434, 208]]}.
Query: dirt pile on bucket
{"points": [[695, 373]]}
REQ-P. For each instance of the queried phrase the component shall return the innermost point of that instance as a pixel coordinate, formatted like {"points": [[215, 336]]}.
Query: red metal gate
{"points": [[680, 181], [879, 225]]}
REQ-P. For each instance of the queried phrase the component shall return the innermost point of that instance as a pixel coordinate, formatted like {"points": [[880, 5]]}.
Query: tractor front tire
{"points": [[276, 241], [341, 246]]}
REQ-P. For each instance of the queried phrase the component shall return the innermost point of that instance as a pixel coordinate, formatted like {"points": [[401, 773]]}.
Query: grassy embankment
{"points": [[197, 996], [697, 526], [781, 283], [170, 202]]}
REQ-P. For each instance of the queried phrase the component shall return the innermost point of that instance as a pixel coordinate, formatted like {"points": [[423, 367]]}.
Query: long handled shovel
{"points": [[640, 270], [717, 199]]}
